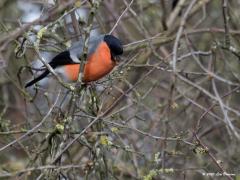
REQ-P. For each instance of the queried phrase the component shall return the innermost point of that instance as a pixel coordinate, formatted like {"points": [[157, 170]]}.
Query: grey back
{"points": [[76, 49]]}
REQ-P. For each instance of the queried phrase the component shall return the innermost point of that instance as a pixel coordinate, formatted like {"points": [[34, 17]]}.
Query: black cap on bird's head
{"points": [[114, 44]]}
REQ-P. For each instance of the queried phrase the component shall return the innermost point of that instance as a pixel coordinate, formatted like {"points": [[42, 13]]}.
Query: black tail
{"points": [[43, 75], [174, 4]]}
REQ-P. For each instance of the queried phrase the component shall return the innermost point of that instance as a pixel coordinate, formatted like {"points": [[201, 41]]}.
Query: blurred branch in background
{"points": [[169, 110]]}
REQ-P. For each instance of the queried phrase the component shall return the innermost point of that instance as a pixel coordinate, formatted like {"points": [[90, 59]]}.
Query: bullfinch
{"points": [[103, 53]]}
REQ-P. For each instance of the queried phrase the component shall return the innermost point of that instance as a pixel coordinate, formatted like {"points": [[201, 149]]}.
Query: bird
{"points": [[174, 4], [104, 52]]}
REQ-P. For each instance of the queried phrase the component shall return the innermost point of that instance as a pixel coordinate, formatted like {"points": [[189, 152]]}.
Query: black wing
{"points": [[61, 59]]}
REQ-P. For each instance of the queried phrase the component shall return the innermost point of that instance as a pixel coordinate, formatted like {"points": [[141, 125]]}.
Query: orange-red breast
{"points": [[101, 59]]}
